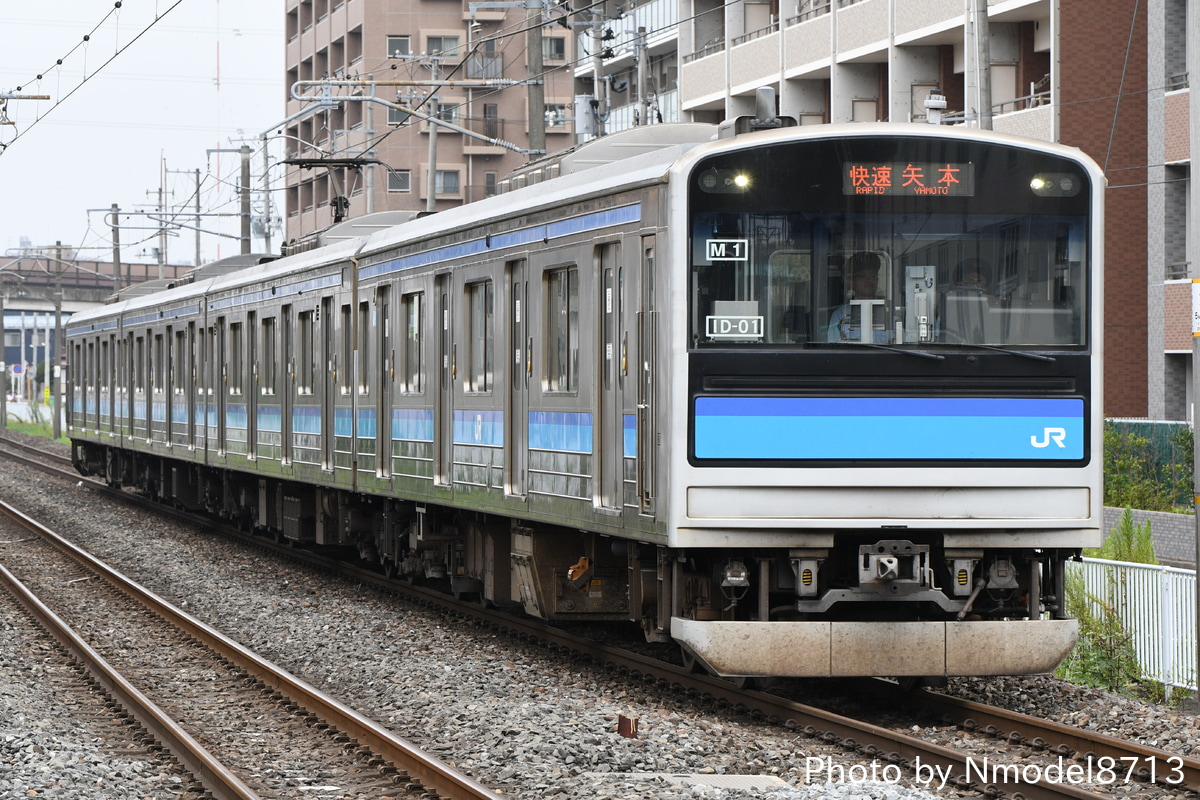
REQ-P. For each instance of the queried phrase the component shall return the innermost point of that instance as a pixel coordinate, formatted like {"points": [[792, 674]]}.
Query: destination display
{"points": [[912, 178]]}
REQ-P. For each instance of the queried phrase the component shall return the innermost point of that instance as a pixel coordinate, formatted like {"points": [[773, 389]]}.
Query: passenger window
{"points": [[268, 370], [562, 334], [413, 350], [235, 370], [304, 354], [480, 336]]}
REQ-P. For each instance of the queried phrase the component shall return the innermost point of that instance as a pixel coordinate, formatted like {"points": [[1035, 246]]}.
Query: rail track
{"points": [[1044, 759], [248, 727]]}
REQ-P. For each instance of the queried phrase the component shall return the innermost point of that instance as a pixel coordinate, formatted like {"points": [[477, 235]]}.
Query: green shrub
{"points": [[1148, 475]]}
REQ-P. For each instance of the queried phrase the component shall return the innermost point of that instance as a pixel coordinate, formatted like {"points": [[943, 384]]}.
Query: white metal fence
{"points": [[1157, 606]]}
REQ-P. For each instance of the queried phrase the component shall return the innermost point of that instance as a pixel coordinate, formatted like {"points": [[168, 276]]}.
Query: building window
{"points": [[554, 48], [446, 46], [562, 331], [480, 336], [489, 183], [491, 120], [557, 115], [448, 112], [397, 117], [399, 46], [445, 181], [399, 180]]}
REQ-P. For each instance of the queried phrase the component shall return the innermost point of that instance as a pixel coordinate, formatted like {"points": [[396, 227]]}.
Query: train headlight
{"points": [[723, 181], [1055, 184], [735, 575]]}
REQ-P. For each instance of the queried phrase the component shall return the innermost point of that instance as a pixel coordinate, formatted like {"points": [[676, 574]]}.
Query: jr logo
{"points": [[1056, 435]]}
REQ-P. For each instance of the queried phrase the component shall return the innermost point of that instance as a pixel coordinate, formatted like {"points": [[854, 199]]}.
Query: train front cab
{"points": [[887, 479]]}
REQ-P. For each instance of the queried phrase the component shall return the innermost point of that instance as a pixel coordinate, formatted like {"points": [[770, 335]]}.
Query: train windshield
{"points": [[903, 242]]}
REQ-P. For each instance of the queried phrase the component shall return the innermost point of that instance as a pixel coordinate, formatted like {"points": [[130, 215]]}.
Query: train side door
{"points": [[520, 348], [221, 378], [329, 381], [609, 445], [647, 336], [384, 366], [443, 414], [193, 382], [287, 392], [167, 371], [254, 390]]}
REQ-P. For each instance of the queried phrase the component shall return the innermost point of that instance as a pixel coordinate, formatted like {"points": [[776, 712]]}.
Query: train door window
{"points": [[139, 364], [157, 365], [304, 354], [364, 340], [413, 351], [347, 350], [235, 371], [562, 334], [268, 369], [181, 372], [480, 336]]}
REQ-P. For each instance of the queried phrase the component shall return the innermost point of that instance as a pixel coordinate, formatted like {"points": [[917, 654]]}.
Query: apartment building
{"points": [[1107, 76], [1173, 217], [364, 76]]}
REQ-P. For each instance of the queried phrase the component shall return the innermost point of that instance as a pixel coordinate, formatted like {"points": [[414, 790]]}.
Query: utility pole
{"points": [[599, 85], [197, 176], [266, 190], [983, 37], [537, 91], [197, 216], [53, 376], [245, 198], [431, 193], [979, 62], [116, 237], [643, 71]]}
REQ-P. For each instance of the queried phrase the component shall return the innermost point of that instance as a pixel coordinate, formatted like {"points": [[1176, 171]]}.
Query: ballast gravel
{"points": [[523, 721]]}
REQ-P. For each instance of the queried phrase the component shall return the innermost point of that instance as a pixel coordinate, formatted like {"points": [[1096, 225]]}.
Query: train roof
{"points": [[587, 177]]}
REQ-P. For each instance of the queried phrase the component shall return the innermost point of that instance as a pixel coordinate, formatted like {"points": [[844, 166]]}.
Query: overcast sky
{"points": [[205, 75]]}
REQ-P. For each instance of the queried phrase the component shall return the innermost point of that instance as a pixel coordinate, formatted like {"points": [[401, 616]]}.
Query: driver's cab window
{"points": [[864, 285]]}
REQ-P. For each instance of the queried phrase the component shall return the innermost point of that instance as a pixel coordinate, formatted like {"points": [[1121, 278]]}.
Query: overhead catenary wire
{"points": [[59, 62]]}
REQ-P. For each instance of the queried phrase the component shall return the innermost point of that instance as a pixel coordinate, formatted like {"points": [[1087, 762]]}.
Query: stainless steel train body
{"points": [[647, 391]]}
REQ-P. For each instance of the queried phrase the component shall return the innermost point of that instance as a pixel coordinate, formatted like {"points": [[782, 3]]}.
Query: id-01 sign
{"points": [[731, 327]]}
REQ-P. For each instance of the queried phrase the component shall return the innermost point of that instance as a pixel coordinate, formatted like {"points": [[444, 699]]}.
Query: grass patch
{"points": [[36, 428]]}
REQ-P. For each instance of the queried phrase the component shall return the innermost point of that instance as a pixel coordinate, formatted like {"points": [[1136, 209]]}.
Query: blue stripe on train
{"points": [[917, 428], [557, 430]]}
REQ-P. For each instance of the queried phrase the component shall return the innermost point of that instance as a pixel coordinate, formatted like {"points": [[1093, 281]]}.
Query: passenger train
{"points": [[809, 401]]}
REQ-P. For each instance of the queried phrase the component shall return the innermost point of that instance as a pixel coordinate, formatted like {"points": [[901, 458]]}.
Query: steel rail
{"points": [[222, 783], [1145, 761], [429, 771]]}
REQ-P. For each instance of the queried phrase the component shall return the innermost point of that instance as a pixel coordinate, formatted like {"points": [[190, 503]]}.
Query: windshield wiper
{"points": [[1021, 353], [917, 353]]}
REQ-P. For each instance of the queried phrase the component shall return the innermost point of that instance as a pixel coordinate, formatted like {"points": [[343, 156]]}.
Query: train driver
{"points": [[844, 322]]}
